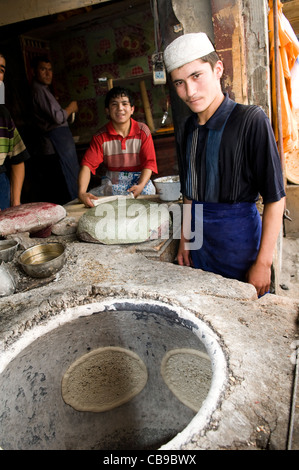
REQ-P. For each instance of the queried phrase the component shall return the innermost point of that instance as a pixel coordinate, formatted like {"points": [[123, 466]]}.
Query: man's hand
{"points": [[183, 256], [72, 108], [135, 190], [87, 198], [259, 275]]}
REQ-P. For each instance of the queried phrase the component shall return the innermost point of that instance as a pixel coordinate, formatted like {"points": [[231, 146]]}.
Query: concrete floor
{"points": [[257, 336]]}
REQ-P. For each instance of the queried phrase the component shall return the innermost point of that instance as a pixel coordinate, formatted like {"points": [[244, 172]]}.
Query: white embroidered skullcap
{"points": [[185, 49]]}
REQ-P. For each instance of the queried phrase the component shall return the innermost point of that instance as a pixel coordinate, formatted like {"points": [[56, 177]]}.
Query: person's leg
{"points": [[4, 191], [64, 145]]}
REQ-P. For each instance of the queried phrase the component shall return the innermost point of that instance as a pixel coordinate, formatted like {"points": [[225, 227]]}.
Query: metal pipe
{"points": [[294, 395]]}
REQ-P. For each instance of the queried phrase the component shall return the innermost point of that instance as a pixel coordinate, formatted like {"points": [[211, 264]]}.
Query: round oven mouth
{"points": [[124, 373]]}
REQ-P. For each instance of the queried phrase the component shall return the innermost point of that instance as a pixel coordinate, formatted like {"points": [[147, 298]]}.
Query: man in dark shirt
{"points": [[52, 120], [228, 156]]}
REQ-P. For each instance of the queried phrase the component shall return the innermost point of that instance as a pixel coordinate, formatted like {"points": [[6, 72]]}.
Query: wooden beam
{"points": [[147, 106], [291, 12], [20, 10]]}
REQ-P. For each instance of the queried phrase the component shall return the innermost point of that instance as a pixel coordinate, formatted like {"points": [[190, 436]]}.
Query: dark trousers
{"points": [[65, 148], [4, 191], [50, 180]]}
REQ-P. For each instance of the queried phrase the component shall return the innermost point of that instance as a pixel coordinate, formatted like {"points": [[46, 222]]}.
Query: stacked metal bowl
{"points": [[43, 260], [8, 249]]}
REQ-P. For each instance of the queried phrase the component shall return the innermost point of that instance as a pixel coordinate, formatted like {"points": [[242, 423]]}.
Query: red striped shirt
{"points": [[134, 152]]}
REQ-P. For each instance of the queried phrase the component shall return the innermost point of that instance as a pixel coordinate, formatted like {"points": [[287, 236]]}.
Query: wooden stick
{"points": [[146, 105], [110, 83]]}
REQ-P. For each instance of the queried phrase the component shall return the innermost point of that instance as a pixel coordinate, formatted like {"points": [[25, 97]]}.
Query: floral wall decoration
{"points": [[121, 50]]}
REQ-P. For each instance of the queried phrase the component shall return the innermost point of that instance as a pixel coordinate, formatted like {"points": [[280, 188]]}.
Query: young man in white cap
{"points": [[228, 156]]}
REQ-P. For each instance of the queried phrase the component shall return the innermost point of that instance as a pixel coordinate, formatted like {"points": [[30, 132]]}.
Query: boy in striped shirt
{"points": [[126, 148]]}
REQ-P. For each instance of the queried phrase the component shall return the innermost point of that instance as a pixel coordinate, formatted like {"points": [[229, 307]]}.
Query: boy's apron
{"points": [[118, 183]]}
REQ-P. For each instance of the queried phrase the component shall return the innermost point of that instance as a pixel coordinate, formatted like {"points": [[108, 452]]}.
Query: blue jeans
{"points": [[4, 191]]}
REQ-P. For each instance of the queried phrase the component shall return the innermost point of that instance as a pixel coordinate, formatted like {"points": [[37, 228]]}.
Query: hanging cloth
{"points": [[288, 53]]}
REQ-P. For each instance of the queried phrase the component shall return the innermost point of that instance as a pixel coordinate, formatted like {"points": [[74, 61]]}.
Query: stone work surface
{"points": [[257, 335]]}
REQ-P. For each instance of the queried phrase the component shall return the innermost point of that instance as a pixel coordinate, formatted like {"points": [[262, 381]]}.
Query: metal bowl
{"points": [[43, 260], [8, 249], [168, 187]]}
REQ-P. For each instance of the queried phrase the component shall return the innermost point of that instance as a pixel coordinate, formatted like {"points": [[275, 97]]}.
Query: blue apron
{"points": [[231, 238]]}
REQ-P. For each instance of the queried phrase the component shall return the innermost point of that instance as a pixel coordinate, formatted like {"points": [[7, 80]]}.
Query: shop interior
{"points": [[91, 49]]}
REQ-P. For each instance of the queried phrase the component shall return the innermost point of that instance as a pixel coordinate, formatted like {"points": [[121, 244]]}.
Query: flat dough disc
{"points": [[188, 374], [103, 379]]}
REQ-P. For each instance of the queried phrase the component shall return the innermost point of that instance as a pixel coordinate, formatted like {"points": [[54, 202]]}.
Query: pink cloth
{"points": [[33, 217]]}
